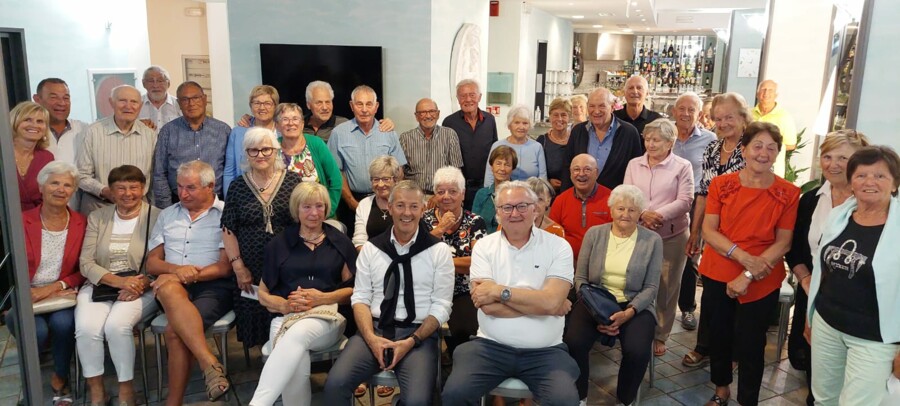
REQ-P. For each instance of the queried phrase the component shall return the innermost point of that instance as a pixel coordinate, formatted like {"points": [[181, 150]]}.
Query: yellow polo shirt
{"points": [[785, 123]]}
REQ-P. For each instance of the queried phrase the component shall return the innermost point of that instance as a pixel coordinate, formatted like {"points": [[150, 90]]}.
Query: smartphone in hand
{"points": [[388, 356]]}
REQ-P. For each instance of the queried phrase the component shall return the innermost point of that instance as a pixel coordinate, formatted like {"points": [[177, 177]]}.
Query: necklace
{"points": [[127, 216], [44, 225], [726, 150], [315, 241], [262, 189], [540, 225], [617, 239], [384, 212]]}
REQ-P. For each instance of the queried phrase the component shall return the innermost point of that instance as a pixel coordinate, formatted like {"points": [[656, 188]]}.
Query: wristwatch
{"points": [[505, 295], [416, 340], [749, 275]]}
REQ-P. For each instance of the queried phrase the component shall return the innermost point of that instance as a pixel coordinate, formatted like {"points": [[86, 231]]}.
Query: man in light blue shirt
{"points": [[355, 144]]}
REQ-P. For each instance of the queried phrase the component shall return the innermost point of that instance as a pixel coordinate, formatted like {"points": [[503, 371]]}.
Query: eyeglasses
{"points": [[190, 100], [508, 208], [254, 152], [427, 112], [266, 104], [291, 120], [382, 180]]}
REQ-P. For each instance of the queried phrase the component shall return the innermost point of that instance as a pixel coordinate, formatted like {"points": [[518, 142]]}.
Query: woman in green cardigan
{"points": [[306, 154]]}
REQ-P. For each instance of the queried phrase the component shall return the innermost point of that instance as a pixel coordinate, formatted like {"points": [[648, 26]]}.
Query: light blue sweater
{"points": [[531, 161], [885, 263]]}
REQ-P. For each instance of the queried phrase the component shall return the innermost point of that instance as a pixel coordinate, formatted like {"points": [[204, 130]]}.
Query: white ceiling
{"points": [[646, 15]]}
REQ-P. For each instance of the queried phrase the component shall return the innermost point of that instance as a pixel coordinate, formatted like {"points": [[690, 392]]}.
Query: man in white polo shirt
{"points": [[520, 278]]}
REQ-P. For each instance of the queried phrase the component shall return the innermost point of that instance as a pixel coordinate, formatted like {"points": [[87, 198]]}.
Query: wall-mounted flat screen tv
{"points": [[289, 68]]}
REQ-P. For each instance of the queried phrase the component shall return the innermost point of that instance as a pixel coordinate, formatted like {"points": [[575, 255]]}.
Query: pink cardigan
{"points": [[668, 190]]}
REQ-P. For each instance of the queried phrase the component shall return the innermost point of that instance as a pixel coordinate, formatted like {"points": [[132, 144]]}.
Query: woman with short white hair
{"points": [[256, 209], [529, 151]]}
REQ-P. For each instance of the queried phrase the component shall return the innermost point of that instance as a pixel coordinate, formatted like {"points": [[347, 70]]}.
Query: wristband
{"points": [[234, 259], [731, 251], [63, 284]]}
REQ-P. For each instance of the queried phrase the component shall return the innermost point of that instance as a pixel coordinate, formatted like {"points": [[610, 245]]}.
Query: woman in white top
{"points": [[372, 216]]}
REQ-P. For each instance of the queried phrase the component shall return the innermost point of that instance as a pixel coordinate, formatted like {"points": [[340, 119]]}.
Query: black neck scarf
{"points": [[383, 242]]}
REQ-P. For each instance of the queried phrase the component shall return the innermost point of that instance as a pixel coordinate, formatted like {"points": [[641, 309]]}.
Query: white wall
{"points": [[743, 36], [799, 84], [504, 49], [446, 19], [878, 103], [66, 38], [173, 35], [220, 61]]}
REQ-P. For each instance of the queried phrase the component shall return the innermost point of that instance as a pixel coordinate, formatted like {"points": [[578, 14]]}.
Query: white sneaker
{"points": [[583, 402]]}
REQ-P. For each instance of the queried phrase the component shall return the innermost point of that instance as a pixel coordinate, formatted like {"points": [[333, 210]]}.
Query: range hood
{"points": [[605, 47]]}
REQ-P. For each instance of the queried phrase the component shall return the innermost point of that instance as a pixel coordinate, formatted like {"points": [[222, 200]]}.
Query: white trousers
{"points": [[114, 322], [847, 370], [286, 372]]}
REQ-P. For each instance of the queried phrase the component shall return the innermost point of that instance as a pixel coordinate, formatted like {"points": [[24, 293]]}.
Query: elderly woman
{"points": [[113, 254], [579, 109], [545, 194], [458, 228], [812, 217], [263, 99], [723, 156], [31, 136], [53, 238], [502, 161], [308, 268], [306, 154], [529, 152], [372, 215], [624, 258], [748, 226], [555, 141], [853, 301], [256, 209], [668, 182]]}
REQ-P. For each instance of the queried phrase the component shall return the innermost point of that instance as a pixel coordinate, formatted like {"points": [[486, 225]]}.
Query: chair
{"points": [[218, 331], [388, 378], [785, 301], [510, 388]]}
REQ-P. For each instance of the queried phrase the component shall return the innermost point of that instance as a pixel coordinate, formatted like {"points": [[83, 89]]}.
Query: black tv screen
{"points": [[289, 68]]}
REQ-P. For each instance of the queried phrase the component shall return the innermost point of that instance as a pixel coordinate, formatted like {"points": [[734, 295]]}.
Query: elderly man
{"points": [[402, 295], [429, 146], [635, 112], [477, 132], [194, 280], [112, 142], [193, 136], [768, 110], [611, 141], [582, 206], [520, 279], [158, 107], [690, 144], [53, 95], [355, 144], [321, 119]]}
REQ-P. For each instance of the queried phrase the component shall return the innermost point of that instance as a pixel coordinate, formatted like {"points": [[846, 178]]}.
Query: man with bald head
{"points": [[609, 140], [584, 205], [635, 112], [429, 146], [768, 110], [112, 142]]}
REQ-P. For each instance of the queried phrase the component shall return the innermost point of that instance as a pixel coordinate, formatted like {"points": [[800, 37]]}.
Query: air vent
{"points": [[684, 19]]}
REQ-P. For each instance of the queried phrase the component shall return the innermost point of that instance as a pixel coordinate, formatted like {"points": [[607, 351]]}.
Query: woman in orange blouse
{"points": [[545, 194], [748, 227]]}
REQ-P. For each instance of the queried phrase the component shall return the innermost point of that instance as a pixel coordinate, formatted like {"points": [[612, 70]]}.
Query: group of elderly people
{"points": [[278, 257]]}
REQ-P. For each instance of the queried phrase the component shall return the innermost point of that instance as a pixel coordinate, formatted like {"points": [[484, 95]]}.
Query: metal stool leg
{"points": [[247, 356], [782, 327], [144, 365], [159, 374], [224, 354]]}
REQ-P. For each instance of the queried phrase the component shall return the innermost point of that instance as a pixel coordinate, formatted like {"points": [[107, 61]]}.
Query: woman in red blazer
{"points": [[53, 237]]}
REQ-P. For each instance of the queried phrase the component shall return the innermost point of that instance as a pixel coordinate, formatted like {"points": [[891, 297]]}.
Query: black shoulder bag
{"points": [[107, 293]]}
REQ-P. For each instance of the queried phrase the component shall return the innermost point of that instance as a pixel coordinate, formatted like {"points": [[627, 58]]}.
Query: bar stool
{"points": [[785, 301], [218, 331], [510, 388]]}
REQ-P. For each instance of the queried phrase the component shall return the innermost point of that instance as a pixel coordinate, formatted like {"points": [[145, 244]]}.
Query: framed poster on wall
{"points": [[196, 69], [102, 82]]}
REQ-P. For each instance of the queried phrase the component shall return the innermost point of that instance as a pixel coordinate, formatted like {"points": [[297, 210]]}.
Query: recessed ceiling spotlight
{"points": [[633, 3], [626, 30], [643, 19], [577, 17], [638, 10], [597, 26]]}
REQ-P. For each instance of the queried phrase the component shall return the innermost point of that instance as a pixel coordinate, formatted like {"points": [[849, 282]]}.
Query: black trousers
{"points": [[463, 322], [687, 301], [798, 349], [747, 346], [635, 337]]}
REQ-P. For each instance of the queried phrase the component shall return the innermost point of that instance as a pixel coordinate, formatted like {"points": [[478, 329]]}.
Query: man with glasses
{"points": [[520, 278], [477, 132], [158, 107], [355, 144], [191, 137], [429, 146], [582, 206]]}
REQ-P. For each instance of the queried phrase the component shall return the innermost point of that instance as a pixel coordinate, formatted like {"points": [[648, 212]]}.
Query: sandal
{"points": [[360, 390], [659, 348], [62, 396], [384, 391], [215, 381], [694, 359], [715, 400]]}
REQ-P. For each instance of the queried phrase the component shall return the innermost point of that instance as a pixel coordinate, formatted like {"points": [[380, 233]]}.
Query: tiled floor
{"points": [[674, 384]]}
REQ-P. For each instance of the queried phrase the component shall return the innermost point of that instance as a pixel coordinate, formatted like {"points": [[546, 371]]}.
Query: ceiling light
{"points": [[577, 17], [638, 10], [626, 30], [597, 26], [633, 3], [643, 19]]}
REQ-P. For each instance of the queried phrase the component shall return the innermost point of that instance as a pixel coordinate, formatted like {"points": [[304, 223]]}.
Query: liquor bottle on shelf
{"points": [[670, 52], [641, 51], [710, 51], [706, 82], [678, 51]]}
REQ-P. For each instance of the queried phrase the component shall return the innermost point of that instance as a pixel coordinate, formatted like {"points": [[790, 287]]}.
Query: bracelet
{"points": [[731, 251], [234, 259], [807, 276], [63, 284]]}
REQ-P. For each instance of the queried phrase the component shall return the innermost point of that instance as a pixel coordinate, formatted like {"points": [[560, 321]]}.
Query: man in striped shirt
{"points": [[429, 146], [112, 142]]}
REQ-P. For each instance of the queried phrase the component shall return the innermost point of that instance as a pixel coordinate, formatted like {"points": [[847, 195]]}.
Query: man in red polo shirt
{"points": [[584, 205]]}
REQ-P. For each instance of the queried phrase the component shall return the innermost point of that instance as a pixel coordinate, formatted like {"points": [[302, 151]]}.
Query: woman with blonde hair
{"points": [[263, 99], [30, 124]]}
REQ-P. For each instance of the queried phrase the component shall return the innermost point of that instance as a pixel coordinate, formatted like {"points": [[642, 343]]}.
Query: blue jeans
{"points": [[481, 364], [59, 327]]}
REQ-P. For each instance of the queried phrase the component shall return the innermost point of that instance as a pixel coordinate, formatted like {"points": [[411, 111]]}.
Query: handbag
{"points": [[53, 304], [601, 305], [107, 293]]}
